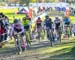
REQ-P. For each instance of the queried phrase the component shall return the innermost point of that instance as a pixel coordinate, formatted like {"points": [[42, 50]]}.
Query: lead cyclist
{"points": [[17, 28]]}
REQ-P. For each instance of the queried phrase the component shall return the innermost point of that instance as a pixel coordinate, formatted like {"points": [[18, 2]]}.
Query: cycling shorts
{"points": [[50, 28], [26, 27], [57, 26], [67, 23], [38, 25], [17, 30]]}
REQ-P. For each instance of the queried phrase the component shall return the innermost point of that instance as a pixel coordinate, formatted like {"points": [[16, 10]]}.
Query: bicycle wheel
{"points": [[39, 33], [28, 38], [43, 34], [51, 37], [68, 32], [59, 35], [18, 44], [18, 48]]}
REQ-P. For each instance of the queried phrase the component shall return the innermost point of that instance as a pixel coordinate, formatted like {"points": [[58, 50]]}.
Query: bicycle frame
{"points": [[18, 42], [50, 34], [39, 30], [28, 38], [68, 31], [59, 34]]}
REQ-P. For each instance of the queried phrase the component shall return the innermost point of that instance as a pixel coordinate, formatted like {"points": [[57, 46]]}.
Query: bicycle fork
{"points": [[18, 46]]}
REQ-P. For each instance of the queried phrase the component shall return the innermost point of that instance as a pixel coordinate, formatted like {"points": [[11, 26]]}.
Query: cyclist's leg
{"points": [[51, 37], [27, 35], [42, 33], [17, 44], [68, 30], [23, 42], [47, 33], [59, 34], [15, 40], [38, 32], [65, 30], [1, 39]]}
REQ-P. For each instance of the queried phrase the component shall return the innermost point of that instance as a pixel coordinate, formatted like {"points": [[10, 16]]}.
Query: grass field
{"points": [[12, 14], [43, 51]]}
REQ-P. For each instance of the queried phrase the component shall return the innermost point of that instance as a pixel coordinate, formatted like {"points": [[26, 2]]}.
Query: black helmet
{"points": [[16, 21], [56, 17], [24, 18], [39, 18], [46, 16]]}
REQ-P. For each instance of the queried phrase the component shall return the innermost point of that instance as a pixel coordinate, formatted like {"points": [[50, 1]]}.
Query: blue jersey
{"points": [[66, 20], [48, 23]]}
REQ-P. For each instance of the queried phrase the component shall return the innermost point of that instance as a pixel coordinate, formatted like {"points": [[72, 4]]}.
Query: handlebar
{"points": [[18, 33], [3, 33]]}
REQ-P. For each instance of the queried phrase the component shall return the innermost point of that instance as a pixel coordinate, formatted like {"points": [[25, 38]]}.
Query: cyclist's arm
{"points": [[11, 31], [22, 27]]}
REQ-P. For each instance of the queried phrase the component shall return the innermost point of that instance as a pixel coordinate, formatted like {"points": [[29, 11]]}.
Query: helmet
{"points": [[24, 18], [56, 17], [65, 17], [16, 21], [39, 18], [46, 16]]}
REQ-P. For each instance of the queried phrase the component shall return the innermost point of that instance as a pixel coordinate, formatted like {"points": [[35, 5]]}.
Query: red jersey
{"points": [[38, 21], [1, 31]]}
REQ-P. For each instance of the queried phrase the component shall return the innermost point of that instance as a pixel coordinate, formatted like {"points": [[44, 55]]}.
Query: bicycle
{"points": [[50, 36], [39, 30], [59, 34], [27, 33], [68, 31], [18, 40], [43, 34]]}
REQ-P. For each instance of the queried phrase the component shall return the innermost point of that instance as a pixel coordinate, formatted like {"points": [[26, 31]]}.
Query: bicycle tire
{"points": [[51, 38], [18, 46], [28, 38]]}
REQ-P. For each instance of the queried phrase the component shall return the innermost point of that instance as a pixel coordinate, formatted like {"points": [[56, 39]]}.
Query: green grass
{"points": [[64, 51], [11, 13]]}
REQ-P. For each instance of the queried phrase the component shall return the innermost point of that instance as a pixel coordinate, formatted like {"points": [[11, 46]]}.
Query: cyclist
{"points": [[57, 23], [27, 17], [2, 31], [6, 25], [48, 25], [18, 28], [39, 25], [66, 22], [26, 24]]}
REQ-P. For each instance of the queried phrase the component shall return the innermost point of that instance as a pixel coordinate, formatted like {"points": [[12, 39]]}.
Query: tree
{"points": [[24, 2]]}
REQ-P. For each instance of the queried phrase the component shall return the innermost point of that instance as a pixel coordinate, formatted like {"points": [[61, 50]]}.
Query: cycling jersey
{"points": [[38, 23], [26, 22], [57, 23], [66, 21], [48, 23], [17, 28]]}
